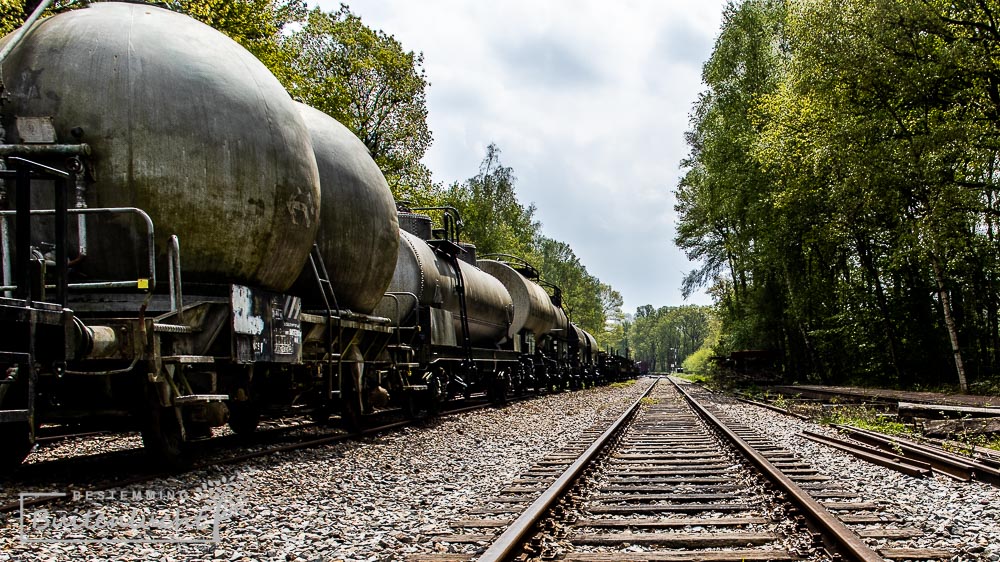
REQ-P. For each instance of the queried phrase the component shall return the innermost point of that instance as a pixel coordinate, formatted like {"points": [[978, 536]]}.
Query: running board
{"points": [[199, 399], [11, 416]]}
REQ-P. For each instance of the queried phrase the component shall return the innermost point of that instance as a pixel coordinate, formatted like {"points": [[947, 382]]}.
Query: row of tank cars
{"points": [[184, 246]]}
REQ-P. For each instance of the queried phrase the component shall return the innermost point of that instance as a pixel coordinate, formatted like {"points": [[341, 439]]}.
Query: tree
{"points": [[361, 77], [493, 217], [588, 302], [841, 190], [497, 223], [666, 336], [257, 25], [367, 81]]}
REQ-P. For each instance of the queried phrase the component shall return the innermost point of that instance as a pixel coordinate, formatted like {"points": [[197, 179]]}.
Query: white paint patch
{"points": [[244, 322]]}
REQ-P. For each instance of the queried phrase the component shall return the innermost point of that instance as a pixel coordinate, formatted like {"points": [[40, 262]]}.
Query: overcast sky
{"points": [[588, 101]]}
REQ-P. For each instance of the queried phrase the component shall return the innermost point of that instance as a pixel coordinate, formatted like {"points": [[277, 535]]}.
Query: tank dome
{"points": [[358, 234], [183, 123]]}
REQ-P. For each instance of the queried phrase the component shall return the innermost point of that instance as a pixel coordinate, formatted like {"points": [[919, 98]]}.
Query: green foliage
{"points": [[335, 63], [966, 443], [11, 15], [841, 189], [492, 216], [695, 377], [622, 384], [665, 337], [13, 12], [865, 418], [257, 25], [698, 362], [497, 223], [588, 302], [367, 81]]}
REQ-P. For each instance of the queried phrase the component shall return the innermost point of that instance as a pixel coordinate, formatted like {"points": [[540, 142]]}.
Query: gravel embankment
{"points": [[375, 500], [963, 517]]}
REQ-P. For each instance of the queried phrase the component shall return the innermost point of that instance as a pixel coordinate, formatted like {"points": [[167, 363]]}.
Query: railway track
{"points": [[673, 479], [130, 467]]}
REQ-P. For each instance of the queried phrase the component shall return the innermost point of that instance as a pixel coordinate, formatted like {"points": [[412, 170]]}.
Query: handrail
{"points": [[506, 258], [98, 211], [174, 269], [452, 221]]}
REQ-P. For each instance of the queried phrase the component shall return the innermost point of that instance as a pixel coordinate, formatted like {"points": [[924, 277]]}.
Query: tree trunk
{"points": [[883, 305], [949, 322]]}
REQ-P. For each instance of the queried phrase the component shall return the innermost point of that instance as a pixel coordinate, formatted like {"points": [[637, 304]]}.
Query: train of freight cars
{"points": [[184, 246]]}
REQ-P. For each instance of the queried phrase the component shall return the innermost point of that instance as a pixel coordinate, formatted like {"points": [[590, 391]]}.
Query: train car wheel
{"points": [[15, 444], [410, 407], [15, 437], [163, 439], [437, 392], [243, 418], [499, 389], [350, 415]]}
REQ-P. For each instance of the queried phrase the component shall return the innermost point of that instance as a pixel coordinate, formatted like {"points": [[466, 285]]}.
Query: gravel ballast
{"points": [[961, 517], [389, 496], [372, 500]]}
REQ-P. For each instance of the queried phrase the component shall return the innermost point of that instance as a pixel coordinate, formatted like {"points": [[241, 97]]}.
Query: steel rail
{"points": [[324, 439], [508, 543], [961, 468], [910, 467], [774, 408], [849, 542]]}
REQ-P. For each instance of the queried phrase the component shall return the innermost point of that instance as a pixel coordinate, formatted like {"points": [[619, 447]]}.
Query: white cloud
{"points": [[588, 101]]}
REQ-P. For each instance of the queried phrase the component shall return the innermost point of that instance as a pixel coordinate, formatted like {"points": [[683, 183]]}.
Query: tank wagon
{"points": [[184, 246]]}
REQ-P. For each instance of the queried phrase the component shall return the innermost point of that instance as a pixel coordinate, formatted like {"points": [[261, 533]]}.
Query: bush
{"points": [[698, 362]]}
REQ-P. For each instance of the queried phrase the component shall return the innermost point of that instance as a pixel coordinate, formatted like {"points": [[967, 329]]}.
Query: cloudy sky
{"points": [[588, 101]]}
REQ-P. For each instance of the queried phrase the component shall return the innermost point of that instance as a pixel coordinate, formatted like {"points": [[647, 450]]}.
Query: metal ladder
{"points": [[326, 291]]}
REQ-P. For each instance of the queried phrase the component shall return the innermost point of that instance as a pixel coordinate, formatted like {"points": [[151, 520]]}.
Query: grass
{"points": [[964, 443], [623, 384], [693, 377], [865, 418]]}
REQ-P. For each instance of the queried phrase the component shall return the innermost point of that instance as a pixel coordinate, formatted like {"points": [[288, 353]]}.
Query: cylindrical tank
{"points": [[183, 123], [469, 255], [358, 235], [579, 340], [411, 275], [416, 224], [590, 354], [422, 272], [561, 329], [533, 309]]}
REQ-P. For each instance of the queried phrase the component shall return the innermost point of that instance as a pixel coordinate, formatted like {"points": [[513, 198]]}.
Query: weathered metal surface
{"points": [[414, 273], [590, 353], [183, 123], [358, 227], [533, 309]]}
